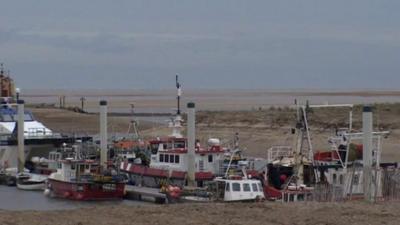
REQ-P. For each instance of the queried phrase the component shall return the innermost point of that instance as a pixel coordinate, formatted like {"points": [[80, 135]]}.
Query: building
{"points": [[7, 87]]}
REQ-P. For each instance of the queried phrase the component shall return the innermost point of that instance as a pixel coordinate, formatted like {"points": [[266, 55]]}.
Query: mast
{"points": [[175, 123], [298, 145], [179, 90]]}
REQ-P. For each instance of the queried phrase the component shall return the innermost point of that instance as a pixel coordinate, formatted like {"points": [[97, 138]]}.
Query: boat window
{"points": [[171, 158], [176, 158], [227, 187], [179, 144], [235, 187], [154, 149], [161, 158], [334, 178], [82, 168], [7, 118], [169, 145], [28, 117], [59, 165], [246, 187], [254, 186], [72, 166], [210, 158], [166, 158], [341, 179], [164, 146], [260, 188]]}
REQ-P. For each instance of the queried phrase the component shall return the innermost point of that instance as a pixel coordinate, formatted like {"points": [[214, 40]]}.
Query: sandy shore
{"points": [[238, 213]]}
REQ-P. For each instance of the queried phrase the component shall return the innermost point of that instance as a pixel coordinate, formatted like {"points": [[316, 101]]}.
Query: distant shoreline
{"points": [[206, 92]]}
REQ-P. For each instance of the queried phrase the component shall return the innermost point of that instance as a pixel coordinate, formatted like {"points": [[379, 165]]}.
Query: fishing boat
{"points": [[31, 181], [169, 158], [168, 162], [337, 173], [85, 179], [240, 189], [77, 179]]}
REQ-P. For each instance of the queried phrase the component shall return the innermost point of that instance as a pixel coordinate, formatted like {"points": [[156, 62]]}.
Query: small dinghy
{"points": [[31, 182]]}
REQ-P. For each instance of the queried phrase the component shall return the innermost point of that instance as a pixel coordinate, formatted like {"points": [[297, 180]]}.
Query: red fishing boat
{"points": [[80, 180], [168, 162]]}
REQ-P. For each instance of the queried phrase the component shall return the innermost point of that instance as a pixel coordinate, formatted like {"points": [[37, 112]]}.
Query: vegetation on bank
{"points": [[386, 116]]}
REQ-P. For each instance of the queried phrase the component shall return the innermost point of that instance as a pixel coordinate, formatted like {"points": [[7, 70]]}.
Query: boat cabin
{"points": [[73, 170], [32, 128], [172, 153], [239, 190]]}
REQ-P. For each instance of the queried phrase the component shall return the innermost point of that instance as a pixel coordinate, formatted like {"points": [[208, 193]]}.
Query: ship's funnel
{"points": [[191, 136], [103, 133], [21, 137]]}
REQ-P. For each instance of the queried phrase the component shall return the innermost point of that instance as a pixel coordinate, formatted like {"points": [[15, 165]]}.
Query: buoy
{"points": [[47, 192]]}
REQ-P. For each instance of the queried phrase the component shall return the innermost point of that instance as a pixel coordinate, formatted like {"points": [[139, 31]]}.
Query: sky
{"points": [[211, 44]]}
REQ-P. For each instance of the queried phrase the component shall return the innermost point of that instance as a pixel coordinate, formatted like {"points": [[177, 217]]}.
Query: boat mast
{"points": [[298, 145], [175, 123], [178, 87]]}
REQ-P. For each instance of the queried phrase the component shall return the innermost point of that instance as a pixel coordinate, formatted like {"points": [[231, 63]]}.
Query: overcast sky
{"points": [[210, 43]]}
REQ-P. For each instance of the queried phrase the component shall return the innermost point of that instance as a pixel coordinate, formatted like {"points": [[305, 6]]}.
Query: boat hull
{"points": [[156, 177], [37, 186], [86, 191]]}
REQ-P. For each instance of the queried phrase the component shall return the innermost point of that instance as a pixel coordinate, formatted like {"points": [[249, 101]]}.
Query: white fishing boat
{"points": [[31, 182]]}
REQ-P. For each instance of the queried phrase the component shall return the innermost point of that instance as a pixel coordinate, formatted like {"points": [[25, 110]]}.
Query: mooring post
{"points": [[367, 120], [103, 134], [191, 136], [21, 137]]}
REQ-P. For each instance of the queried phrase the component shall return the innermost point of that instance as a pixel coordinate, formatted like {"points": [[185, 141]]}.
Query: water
{"points": [[15, 199]]}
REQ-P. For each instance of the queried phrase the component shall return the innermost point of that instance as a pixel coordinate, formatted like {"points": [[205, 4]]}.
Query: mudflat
{"points": [[269, 213]]}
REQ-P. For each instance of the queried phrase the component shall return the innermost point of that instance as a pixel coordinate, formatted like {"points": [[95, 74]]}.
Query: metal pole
{"points": [[348, 140], [21, 137], [103, 134], [191, 136]]}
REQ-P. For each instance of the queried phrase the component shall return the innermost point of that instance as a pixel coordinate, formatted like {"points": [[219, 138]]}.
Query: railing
{"points": [[391, 184], [38, 132], [386, 187]]}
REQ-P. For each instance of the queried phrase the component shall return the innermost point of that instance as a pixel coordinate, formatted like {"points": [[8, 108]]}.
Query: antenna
{"points": [[178, 87]]}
